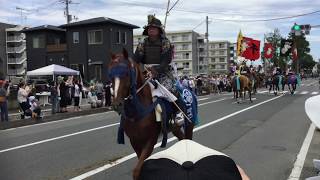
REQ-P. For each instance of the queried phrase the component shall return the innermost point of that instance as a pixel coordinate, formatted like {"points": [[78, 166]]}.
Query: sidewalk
{"points": [[55, 117], [15, 115], [16, 121]]}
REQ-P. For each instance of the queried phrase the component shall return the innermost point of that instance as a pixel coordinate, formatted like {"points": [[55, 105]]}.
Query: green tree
{"points": [[305, 59]]}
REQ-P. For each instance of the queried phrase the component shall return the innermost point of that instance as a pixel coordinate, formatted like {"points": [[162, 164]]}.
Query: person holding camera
{"points": [[4, 93]]}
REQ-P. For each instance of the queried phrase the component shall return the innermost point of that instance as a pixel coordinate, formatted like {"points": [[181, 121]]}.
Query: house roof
{"points": [[99, 20], [44, 27], [6, 25]]}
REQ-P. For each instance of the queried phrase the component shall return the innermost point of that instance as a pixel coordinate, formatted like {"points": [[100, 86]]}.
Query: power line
{"points": [[222, 19], [271, 19]]}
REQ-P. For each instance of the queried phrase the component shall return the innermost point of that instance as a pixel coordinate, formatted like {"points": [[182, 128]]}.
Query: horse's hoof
{"points": [[238, 102]]}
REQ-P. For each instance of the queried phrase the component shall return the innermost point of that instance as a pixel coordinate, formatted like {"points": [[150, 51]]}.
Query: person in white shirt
{"points": [[93, 99], [22, 97], [77, 93]]}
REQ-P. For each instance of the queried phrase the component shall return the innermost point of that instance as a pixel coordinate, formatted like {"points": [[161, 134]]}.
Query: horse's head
{"points": [[121, 71]]}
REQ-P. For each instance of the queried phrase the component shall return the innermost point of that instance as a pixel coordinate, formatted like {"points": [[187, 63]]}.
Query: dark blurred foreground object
{"points": [[189, 160]]}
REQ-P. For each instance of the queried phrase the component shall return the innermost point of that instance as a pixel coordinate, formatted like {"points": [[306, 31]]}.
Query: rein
{"points": [[127, 69]]}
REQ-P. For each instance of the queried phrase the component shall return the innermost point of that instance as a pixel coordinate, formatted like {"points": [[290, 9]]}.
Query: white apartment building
{"points": [[186, 50], [16, 52], [219, 56]]}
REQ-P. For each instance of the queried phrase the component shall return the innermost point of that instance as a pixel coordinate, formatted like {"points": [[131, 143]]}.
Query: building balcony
{"points": [[182, 49], [16, 72], [180, 40], [203, 54], [15, 38], [18, 50], [19, 60], [56, 47]]}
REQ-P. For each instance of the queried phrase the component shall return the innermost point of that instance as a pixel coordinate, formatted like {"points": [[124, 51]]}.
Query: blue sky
{"points": [[186, 15]]}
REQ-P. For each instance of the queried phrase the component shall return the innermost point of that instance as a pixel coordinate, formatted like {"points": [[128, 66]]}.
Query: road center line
{"points": [[77, 133], [133, 155], [301, 157]]}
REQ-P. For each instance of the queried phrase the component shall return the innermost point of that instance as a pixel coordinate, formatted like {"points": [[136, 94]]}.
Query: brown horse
{"points": [[245, 85], [143, 133]]}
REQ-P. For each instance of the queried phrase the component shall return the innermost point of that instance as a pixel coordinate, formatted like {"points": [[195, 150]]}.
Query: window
{"points": [[95, 37], [185, 47], [185, 37], [98, 69], [221, 52], [221, 60], [222, 66], [221, 45], [124, 38], [75, 36], [186, 65], [118, 37], [185, 55], [38, 42], [212, 60], [174, 38]]}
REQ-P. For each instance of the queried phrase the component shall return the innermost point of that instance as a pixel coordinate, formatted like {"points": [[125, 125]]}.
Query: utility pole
{"points": [[66, 12], [167, 14], [207, 40], [22, 10]]}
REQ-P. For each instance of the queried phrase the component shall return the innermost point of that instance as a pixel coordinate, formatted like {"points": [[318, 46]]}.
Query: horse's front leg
{"points": [[145, 153]]}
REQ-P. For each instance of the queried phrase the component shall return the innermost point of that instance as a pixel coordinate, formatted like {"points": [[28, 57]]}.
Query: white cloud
{"points": [[51, 12]]}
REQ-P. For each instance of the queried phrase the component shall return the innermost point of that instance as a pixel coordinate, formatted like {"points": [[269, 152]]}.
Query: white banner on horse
{"points": [[163, 92]]}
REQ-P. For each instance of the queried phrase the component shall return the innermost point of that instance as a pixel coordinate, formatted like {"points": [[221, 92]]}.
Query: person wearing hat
{"points": [[189, 160], [4, 93], [155, 52]]}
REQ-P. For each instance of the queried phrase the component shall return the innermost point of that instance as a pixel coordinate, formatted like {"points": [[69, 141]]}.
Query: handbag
{"points": [[2, 99]]}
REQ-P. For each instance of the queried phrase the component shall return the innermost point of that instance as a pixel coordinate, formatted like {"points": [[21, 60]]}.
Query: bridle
{"points": [[126, 68]]}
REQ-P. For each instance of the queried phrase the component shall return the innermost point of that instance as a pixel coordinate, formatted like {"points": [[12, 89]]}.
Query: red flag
{"points": [[250, 48], [268, 50]]}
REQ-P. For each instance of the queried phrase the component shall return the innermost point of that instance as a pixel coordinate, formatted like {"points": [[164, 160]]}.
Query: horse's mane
{"points": [[146, 92]]}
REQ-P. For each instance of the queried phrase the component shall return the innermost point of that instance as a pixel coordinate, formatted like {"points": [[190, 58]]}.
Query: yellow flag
{"points": [[239, 42]]}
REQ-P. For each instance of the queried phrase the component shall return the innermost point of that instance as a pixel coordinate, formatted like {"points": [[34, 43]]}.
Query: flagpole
{"points": [[264, 58]]}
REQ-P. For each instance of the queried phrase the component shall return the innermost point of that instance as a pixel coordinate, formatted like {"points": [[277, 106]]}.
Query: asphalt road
{"points": [[264, 137]]}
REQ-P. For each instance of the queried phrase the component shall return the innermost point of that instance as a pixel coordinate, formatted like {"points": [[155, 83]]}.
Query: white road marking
{"points": [[80, 132], [56, 138], [133, 155], [315, 93], [212, 101], [58, 121], [262, 92], [304, 92], [301, 157], [202, 99]]}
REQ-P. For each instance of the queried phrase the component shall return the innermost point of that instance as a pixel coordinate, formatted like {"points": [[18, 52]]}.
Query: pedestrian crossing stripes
{"points": [[304, 92], [296, 92]]}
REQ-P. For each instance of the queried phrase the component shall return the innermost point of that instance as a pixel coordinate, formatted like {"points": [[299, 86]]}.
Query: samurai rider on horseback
{"points": [[155, 52]]}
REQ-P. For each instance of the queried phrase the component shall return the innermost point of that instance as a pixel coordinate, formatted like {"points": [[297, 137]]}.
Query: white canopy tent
{"points": [[53, 70]]}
